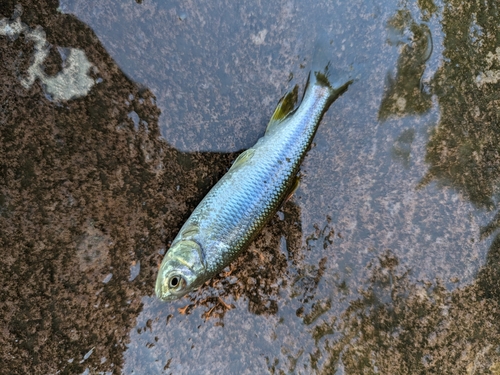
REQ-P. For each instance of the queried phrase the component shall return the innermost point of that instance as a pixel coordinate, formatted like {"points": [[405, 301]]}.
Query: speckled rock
{"points": [[385, 261]]}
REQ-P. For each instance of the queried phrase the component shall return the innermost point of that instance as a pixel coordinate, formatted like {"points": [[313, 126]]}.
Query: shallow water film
{"points": [[116, 118]]}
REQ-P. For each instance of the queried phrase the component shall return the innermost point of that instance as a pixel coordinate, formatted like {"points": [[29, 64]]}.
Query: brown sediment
{"points": [[82, 195]]}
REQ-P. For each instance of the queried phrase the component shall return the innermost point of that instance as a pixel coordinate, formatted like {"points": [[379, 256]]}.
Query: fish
{"points": [[261, 178]]}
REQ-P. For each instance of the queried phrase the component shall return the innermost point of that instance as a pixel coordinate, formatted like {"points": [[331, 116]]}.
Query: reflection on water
{"points": [[401, 149], [463, 151], [190, 57], [371, 268], [405, 93], [401, 327]]}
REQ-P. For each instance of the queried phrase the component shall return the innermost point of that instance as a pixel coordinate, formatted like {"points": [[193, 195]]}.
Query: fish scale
{"points": [[248, 195]]}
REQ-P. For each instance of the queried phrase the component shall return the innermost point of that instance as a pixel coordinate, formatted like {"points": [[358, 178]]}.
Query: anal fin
{"points": [[292, 190]]}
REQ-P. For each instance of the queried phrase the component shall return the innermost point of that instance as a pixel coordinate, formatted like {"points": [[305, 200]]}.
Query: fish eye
{"points": [[175, 281]]}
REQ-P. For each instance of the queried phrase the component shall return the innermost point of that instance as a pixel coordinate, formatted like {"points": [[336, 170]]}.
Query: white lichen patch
{"points": [[11, 29], [73, 81], [490, 75], [401, 104], [259, 38]]}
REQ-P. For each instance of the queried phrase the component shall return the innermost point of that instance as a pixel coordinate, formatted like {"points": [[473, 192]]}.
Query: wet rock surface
{"points": [[386, 260]]}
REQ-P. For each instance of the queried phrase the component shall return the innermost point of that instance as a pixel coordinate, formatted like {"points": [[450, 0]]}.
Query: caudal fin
{"points": [[324, 74]]}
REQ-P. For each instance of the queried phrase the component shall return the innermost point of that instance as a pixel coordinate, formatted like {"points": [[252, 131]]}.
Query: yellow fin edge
{"points": [[285, 107]]}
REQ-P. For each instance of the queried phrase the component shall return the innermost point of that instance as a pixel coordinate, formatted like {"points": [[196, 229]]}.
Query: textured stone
{"points": [[386, 260]]}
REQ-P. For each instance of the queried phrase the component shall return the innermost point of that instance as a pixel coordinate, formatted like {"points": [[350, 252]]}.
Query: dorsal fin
{"points": [[285, 107]]}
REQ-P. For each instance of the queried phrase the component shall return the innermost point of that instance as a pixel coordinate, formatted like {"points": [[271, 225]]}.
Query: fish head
{"points": [[181, 271]]}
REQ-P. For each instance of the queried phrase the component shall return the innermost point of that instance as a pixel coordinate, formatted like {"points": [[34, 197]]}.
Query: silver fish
{"points": [[249, 194]]}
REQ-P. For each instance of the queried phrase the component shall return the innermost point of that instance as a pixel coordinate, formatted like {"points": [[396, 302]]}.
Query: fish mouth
{"points": [[167, 298], [160, 281]]}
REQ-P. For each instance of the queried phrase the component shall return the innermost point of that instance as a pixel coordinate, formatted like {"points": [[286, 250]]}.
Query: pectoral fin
{"points": [[285, 107], [189, 231], [243, 158]]}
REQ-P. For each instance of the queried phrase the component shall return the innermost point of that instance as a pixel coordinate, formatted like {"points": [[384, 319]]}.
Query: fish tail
{"points": [[324, 74]]}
